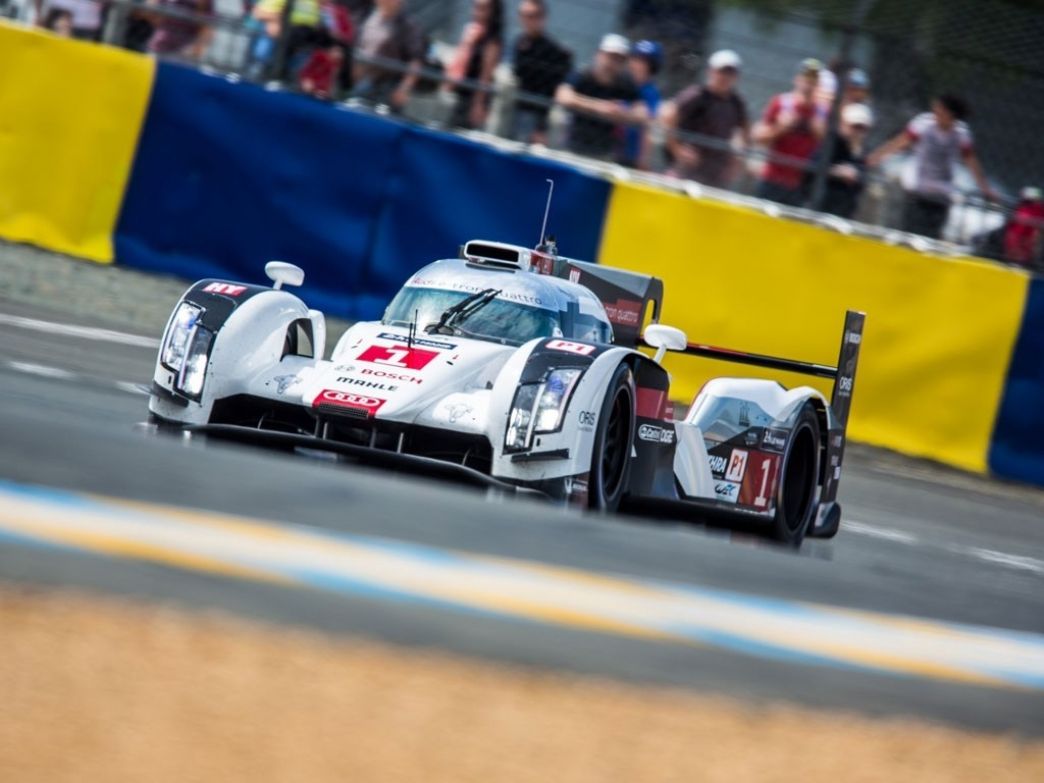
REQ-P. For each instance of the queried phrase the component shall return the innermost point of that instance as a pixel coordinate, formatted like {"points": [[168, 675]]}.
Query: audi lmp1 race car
{"points": [[514, 368]]}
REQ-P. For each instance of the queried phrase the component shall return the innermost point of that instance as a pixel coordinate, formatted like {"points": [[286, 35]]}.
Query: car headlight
{"points": [[538, 407], [194, 368], [180, 335]]}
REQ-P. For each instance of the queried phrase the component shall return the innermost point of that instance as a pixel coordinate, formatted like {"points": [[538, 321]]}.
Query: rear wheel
{"points": [[797, 498], [611, 457]]}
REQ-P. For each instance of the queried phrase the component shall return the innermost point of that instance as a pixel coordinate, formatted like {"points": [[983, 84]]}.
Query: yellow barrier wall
{"points": [[939, 332], [70, 114]]}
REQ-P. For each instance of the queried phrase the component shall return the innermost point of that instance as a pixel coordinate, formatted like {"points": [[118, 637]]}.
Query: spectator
{"points": [[713, 110], [304, 21], [644, 64], [603, 99], [388, 34], [1024, 234], [938, 138], [540, 65], [177, 36], [60, 22], [792, 126], [86, 16], [846, 175], [321, 74], [857, 88], [475, 59]]}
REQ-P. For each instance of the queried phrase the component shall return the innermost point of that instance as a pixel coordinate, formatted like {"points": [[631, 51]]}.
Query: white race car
{"points": [[516, 368]]}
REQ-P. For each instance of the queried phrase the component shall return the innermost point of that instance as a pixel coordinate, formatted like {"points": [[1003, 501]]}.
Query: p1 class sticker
{"points": [[580, 349]]}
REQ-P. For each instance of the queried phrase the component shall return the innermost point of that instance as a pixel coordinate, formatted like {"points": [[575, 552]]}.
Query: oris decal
{"points": [[586, 418], [400, 356], [224, 288], [654, 434], [580, 349]]}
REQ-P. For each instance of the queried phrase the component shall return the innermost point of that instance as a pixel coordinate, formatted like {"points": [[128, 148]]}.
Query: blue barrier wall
{"points": [[229, 176], [1017, 449]]}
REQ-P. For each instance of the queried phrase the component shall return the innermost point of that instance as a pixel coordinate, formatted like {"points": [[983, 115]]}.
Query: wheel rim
{"points": [[614, 448], [799, 482]]}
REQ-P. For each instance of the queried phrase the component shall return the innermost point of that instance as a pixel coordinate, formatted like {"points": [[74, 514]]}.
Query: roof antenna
{"points": [[547, 211]]}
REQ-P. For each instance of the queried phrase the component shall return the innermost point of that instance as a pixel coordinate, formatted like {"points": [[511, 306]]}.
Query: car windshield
{"points": [[501, 320]]}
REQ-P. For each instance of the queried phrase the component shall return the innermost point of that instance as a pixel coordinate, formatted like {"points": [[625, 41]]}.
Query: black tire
{"points": [[798, 496], [614, 439]]}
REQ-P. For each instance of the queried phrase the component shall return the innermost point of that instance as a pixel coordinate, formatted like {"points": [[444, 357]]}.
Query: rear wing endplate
{"points": [[843, 375]]}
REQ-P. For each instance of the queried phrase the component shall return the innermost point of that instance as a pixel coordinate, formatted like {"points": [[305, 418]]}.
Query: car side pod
{"points": [[664, 338], [282, 273]]}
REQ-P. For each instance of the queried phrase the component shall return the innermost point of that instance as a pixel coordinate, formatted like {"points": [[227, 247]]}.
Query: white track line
{"points": [[992, 556], [884, 533], [42, 370], [57, 373], [83, 332]]}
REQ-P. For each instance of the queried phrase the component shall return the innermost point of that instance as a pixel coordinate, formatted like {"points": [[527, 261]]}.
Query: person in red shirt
{"points": [[791, 127], [1024, 234]]}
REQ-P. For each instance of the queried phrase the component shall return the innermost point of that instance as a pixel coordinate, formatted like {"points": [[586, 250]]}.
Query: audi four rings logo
{"points": [[351, 399]]}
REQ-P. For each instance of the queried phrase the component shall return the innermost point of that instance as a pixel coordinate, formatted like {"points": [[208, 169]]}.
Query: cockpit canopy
{"points": [[527, 305]]}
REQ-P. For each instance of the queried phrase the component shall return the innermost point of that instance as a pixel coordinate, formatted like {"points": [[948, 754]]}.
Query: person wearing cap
{"points": [[791, 126], [540, 64], [846, 174], [603, 100], [1024, 232], [644, 64], [702, 122], [938, 139]]}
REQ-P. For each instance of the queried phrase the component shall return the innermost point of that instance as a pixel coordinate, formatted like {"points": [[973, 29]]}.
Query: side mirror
{"points": [[664, 338], [282, 273]]}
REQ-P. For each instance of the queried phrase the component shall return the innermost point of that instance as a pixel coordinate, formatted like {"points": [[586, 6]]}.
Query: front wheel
{"points": [[797, 498], [611, 456]]}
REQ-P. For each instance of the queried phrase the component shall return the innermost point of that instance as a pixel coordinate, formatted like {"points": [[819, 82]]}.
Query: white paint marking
{"points": [[884, 533], [84, 332], [1018, 562], [132, 388], [41, 370]]}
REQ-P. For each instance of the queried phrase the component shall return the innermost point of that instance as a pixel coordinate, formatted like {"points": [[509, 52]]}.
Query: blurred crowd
{"points": [[373, 51]]}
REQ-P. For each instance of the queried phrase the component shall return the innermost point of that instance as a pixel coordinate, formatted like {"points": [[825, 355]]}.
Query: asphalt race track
{"points": [[955, 562]]}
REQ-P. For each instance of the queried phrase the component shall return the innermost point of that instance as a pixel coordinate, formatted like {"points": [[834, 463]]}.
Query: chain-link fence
{"points": [[793, 102]]}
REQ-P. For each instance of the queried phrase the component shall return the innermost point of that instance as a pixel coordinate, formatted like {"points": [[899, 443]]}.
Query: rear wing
{"points": [[828, 518], [843, 374]]}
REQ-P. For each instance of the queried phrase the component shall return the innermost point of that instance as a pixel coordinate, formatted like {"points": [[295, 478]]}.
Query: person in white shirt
{"points": [[939, 140]]}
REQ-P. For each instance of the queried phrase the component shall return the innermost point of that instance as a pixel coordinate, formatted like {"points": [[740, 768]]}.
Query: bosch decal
{"points": [[391, 376], [400, 356], [224, 288], [774, 440], [653, 434], [580, 349], [737, 465]]}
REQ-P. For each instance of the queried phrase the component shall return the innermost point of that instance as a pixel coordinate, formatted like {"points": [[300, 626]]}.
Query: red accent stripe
{"points": [[651, 403]]}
